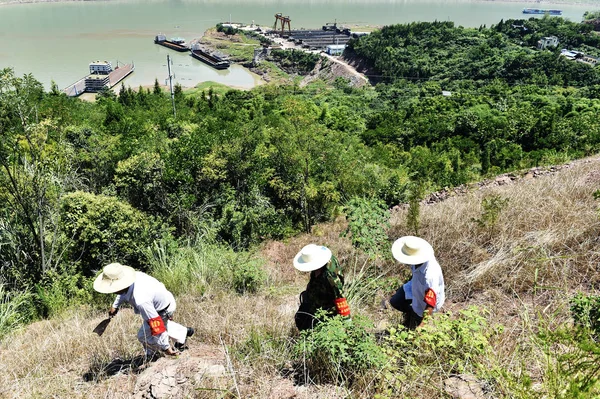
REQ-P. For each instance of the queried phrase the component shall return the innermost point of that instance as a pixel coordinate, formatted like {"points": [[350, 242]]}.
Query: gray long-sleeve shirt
{"points": [[148, 296]]}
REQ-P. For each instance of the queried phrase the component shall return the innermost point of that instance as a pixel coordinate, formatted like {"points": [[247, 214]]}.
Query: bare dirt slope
{"points": [[333, 68]]}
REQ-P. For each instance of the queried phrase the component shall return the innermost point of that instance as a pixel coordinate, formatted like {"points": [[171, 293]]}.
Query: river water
{"points": [[57, 41]]}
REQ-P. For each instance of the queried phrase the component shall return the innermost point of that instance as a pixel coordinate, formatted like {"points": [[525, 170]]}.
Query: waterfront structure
{"points": [[102, 67], [546, 42], [284, 21], [335, 49], [96, 82], [101, 76], [578, 56]]}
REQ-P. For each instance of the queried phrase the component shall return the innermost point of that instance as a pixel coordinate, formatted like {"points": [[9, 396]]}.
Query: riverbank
{"points": [[594, 3]]}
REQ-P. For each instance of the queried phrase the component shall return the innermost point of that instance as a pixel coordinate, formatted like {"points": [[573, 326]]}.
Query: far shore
{"points": [[595, 3]]}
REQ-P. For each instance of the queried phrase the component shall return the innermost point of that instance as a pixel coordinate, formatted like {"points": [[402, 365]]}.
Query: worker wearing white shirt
{"points": [[148, 297], [425, 292]]}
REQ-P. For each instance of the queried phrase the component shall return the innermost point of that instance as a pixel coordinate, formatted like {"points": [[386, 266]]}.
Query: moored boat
{"points": [[541, 11], [176, 43], [214, 60]]}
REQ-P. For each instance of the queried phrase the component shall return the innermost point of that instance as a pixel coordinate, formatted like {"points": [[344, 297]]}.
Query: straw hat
{"points": [[312, 257], [412, 250], [113, 278]]}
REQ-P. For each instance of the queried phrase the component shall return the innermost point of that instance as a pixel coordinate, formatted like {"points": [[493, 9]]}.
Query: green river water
{"points": [[56, 41]]}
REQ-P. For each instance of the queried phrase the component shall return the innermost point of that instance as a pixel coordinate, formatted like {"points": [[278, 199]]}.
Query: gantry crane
{"points": [[284, 20]]}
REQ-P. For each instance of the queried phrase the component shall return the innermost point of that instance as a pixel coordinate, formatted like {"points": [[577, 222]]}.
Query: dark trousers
{"points": [[399, 302]]}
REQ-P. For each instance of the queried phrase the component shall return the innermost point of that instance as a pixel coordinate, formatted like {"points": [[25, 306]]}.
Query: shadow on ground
{"points": [[99, 370]]}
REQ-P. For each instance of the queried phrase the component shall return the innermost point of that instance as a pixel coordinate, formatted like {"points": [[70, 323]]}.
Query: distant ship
{"points": [[176, 43], [209, 58], [541, 11]]}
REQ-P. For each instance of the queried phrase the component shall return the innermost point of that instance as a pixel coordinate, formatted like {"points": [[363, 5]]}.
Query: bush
{"points": [[60, 290], [443, 345], [296, 60], [492, 207], [585, 310], [571, 363], [138, 180], [248, 277], [264, 349], [102, 230], [339, 350], [367, 223], [189, 269]]}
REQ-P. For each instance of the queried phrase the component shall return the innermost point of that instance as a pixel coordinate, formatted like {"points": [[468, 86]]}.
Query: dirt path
{"points": [[351, 70]]}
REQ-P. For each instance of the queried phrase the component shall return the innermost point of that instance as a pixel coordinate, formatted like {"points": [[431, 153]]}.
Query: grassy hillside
{"points": [[519, 260]]}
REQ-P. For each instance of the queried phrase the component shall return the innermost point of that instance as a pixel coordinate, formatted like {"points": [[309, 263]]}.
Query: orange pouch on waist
{"points": [[342, 307], [157, 325]]}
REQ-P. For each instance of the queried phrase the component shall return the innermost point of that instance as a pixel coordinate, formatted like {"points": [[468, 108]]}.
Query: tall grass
{"points": [[197, 269], [15, 310]]}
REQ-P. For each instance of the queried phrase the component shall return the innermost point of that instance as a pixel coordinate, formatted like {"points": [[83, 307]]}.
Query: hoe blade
{"points": [[101, 326]]}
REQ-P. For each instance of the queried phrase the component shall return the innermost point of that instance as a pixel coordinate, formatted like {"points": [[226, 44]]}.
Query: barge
{"points": [[539, 11], [176, 43], [212, 59]]}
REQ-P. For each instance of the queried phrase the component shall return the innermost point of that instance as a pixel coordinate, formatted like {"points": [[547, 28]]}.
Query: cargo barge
{"points": [[102, 76], [541, 11], [209, 58], [176, 43]]}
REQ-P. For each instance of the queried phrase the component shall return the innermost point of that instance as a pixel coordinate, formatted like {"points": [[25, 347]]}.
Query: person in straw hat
{"points": [[149, 298], [424, 293], [325, 288]]}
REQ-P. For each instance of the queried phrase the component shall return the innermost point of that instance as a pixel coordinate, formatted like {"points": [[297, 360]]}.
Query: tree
{"points": [[157, 90], [35, 173]]}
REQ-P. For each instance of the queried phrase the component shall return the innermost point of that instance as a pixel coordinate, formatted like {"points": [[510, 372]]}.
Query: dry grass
{"points": [[550, 224], [543, 248]]}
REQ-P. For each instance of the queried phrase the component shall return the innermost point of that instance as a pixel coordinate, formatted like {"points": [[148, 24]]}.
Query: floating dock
{"points": [[99, 79]]}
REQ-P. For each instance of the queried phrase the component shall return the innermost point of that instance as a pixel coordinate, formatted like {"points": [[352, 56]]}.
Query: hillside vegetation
{"points": [[509, 287], [216, 202]]}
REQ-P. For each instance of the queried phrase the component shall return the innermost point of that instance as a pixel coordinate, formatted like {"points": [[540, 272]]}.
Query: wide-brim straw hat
{"points": [[412, 250], [312, 257], [114, 277]]}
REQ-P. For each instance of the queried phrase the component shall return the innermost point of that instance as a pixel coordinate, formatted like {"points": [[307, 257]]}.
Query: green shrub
{"points": [[264, 348], [571, 364], [60, 290], [138, 180], [296, 60], [102, 230], [189, 269], [368, 220], [248, 276], [339, 350], [492, 207], [585, 310], [362, 285], [413, 216], [441, 346]]}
